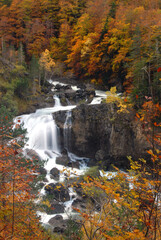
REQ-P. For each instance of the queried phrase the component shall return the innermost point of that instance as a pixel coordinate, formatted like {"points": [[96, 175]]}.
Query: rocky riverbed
{"points": [[73, 132]]}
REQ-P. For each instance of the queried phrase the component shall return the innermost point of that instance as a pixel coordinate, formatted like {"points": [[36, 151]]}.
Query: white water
{"points": [[43, 137], [67, 130], [54, 83], [100, 95]]}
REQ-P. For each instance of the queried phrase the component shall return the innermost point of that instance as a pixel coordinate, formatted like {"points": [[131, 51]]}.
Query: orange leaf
{"points": [[138, 116]]}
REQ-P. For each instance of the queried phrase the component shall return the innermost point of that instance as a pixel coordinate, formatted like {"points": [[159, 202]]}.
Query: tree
{"points": [[129, 202], [21, 56], [46, 64], [53, 18], [18, 218]]}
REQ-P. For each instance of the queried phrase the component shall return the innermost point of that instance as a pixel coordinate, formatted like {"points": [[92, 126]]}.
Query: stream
{"points": [[44, 138]]}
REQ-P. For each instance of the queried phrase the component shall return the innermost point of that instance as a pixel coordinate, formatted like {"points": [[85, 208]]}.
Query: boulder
{"points": [[73, 164], [42, 171], [63, 160], [55, 208], [80, 203], [59, 225], [32, 154], [59, 87], [58, 192], [55, 174]]}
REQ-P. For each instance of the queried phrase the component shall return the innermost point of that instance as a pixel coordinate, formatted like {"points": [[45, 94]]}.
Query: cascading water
{"points": [[43, 137], [42, 132], [57, 101], [67, 130]]}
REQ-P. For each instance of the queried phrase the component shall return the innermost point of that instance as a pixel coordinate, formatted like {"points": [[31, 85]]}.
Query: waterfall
{"points": [[41, 132], [67, 130], [57, 101], [43, 137]]}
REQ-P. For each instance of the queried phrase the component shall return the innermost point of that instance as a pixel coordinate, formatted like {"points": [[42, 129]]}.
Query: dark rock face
{"points": [[100, 133], [54, 174], [58, 192]]}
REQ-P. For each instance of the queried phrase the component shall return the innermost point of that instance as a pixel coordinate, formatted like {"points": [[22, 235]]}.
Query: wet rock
{"points": [[56, 208], [62, 87], [55, 174], [42, 171], [100, 155], [100, 133], [79, 203], [63, 160], [64, 151], [45, 180], [32, 154], [73, 164], [40, 185], [78, 189], [58, 192], [82, 86], [70, 94], [59, 225]]}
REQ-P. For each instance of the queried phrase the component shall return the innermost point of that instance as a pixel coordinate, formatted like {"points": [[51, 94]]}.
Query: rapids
{"points": [[43, 138]]}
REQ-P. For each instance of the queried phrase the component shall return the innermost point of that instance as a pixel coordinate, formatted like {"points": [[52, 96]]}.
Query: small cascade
{"points": [[67, 130], [57, 101]]}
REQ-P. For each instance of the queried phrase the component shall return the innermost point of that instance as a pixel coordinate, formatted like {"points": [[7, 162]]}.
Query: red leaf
{"points": [[15, 152], [159, 69]]}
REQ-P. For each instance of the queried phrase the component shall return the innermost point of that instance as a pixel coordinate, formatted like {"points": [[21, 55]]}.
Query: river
{"points": [[44, 138]]}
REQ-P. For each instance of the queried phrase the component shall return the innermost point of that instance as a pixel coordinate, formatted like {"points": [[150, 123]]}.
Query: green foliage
{"points": [[92, 172], [73, 231], [109, 41], [6, 2]]}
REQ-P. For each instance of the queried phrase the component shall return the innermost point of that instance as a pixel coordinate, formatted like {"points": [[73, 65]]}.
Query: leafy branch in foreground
{"points": [[18, 219]]}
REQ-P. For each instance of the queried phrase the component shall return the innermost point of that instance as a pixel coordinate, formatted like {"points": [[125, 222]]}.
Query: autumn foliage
{"points": [[18, 219], [129, 202], [114, 43]]}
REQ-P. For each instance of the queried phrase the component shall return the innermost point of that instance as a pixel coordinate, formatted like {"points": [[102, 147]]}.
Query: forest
{"points": [[107, 42], [112, 44]]}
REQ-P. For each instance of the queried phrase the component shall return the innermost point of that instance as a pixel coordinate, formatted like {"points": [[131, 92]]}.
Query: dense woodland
{"points": [[109, 42], [105, 42]]}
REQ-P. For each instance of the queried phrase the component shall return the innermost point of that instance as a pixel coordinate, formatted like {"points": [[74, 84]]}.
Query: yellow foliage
{"points": [[122, 104], [46, 61], [129, 204]]}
